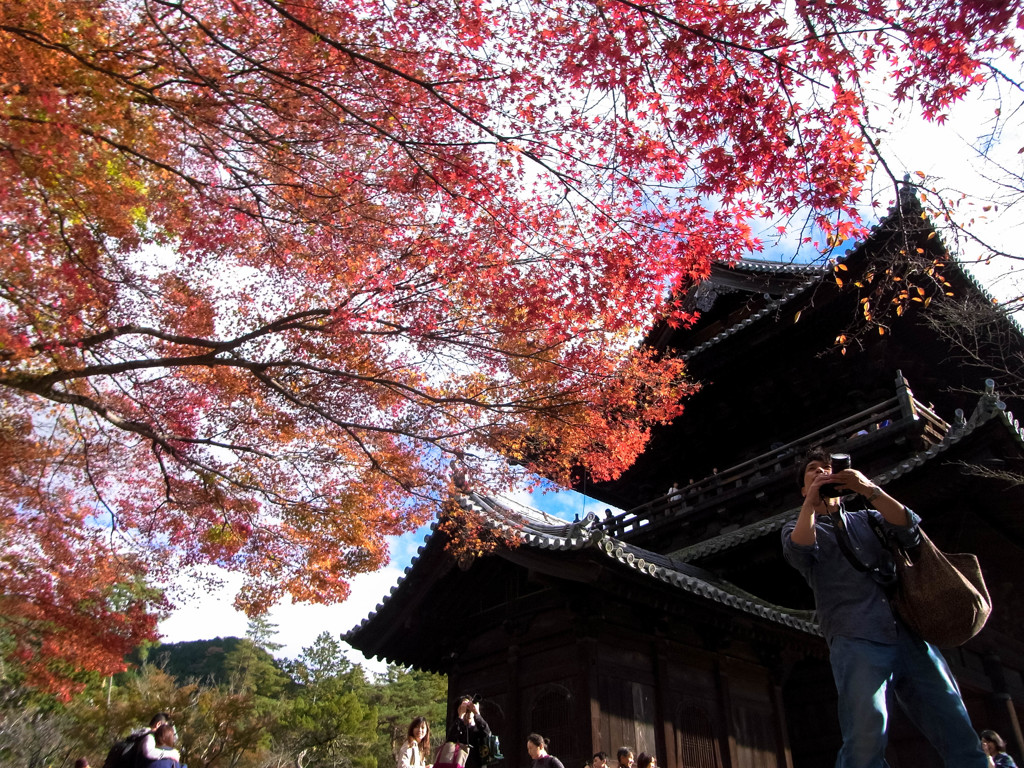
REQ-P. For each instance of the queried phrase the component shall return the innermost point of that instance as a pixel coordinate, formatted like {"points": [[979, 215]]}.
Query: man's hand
{"points": [[814, 489], [803, 534], [853, 480]]}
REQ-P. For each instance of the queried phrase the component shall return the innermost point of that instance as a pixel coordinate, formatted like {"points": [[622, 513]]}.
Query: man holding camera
{"points": [[869, 647], [468, 727]]}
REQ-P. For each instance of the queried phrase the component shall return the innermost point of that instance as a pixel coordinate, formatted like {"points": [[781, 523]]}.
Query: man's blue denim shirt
{"points": [[849, 602]]}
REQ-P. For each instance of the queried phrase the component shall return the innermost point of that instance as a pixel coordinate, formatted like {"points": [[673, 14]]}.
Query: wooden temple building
{"points": [[676, 628]]}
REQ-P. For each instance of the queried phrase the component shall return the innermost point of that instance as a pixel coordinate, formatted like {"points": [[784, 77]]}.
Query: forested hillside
{"points": [[234, 706]]}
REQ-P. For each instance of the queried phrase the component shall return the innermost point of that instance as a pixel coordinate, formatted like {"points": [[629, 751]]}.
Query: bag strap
{"points": [[897, 550]]}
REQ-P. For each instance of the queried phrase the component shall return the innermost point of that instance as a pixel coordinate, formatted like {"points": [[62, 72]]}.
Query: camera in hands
{"points": [[840, 461]]}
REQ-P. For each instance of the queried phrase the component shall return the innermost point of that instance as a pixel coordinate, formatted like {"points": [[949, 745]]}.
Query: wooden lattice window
{"points": [[551, 717], [696, 744]]}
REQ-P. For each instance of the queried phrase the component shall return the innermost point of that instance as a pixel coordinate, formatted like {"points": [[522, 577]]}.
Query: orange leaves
{"points": [[66, 603], [264, 273]]}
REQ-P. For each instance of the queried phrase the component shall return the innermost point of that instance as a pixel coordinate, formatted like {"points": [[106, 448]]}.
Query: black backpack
{"points": [[125, 753]]}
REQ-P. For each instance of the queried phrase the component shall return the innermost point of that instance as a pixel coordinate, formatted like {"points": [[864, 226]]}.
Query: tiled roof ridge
{"points": [[501, 515], [908, 204], [585, 534], [815, 268], [394, 588], [969, 276], [769, 308], [703, 583], [989, 407]]}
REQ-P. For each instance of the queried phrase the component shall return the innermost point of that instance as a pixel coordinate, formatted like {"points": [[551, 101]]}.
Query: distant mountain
{"points": [[204, 660]]}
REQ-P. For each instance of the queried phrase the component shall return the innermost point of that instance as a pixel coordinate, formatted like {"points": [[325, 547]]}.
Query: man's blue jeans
{"points": [[924, 687]]}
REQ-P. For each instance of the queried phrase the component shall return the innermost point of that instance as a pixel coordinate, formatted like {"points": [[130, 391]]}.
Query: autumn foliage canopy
{"points": [[267, 266]]}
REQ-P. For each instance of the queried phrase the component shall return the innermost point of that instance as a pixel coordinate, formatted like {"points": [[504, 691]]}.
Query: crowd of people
{"points": [[155, 746], [470, 731]]}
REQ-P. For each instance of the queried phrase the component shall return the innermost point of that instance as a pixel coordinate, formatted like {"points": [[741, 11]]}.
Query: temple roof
{"points": [[781, 282], [539, 532], [781, 348], [767, 392], [587, 534]]}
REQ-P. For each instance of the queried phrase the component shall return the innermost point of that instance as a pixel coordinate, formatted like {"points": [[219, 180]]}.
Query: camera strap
{"points": [[886, 577]]}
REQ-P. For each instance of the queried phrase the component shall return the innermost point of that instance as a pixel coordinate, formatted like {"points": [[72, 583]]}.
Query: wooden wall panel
{"points": [[627, 714], [810, 698], [753, 715]]}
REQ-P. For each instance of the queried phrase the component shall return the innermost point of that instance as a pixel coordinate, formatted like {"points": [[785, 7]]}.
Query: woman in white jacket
{"points": [[416, 750]]}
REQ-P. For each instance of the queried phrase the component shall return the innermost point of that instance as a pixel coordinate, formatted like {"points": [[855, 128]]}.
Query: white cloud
{"points": [[212, 615]]}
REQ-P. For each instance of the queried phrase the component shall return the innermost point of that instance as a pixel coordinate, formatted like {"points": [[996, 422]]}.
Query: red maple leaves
{"points": [[267, 266]]}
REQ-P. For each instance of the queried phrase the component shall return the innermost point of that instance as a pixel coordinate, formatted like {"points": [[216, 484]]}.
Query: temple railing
{"points": [[898, 418]]}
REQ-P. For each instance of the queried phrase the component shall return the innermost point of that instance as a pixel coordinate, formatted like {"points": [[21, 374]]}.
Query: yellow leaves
{"points": [[866, 308]]}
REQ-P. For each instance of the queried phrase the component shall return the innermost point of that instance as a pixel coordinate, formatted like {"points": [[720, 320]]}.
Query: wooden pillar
{"points": [[785, 754], [592, 691], [514, 752], [729, 753], [663, 723]]}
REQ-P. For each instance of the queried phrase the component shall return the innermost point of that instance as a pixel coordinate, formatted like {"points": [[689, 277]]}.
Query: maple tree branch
{"points": [[762, 50], [164, 442], [39, 383], [87, 468], [427, 86]]}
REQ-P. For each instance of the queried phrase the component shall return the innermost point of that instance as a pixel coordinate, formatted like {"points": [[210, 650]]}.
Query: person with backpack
{"points": [[164, 738], [139, 748]]}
